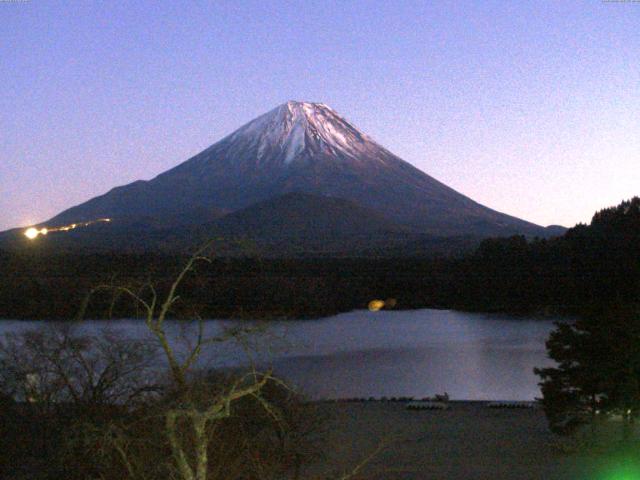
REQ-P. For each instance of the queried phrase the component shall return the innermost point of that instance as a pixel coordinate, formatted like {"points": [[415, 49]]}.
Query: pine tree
{"points": [[597, 372]]}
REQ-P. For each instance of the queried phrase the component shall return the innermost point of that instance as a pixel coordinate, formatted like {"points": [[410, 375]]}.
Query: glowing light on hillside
{"points": [[390, 302], [375, 305], [32, 233]]}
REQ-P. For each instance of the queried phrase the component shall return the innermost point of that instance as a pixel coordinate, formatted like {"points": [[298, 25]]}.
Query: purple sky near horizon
{"points": [[530, 108]]}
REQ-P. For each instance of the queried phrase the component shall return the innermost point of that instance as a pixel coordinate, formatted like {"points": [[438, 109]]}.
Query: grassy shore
{"points": [[469, 441]]}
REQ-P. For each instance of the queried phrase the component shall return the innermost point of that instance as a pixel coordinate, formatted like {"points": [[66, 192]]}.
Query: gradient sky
{"points": [[531, 108]]}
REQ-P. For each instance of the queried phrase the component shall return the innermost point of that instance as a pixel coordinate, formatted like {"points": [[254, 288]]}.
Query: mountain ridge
{"points": [[307, 147]]}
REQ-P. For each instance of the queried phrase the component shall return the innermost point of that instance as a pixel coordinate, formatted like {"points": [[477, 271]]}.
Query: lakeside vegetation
{"points": [[588, 265], [78, 406]]}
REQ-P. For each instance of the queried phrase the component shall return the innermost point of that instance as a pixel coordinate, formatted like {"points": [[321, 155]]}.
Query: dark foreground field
{"points": [[468, 442]]}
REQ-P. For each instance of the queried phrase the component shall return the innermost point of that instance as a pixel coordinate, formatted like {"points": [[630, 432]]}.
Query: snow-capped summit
{"points": [[308, 148], [292, 128]]}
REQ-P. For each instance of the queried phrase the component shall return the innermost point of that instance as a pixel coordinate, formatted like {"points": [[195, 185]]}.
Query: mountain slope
{"points": [[301, 224], [291, 225], [304, 215], [302, 147]]}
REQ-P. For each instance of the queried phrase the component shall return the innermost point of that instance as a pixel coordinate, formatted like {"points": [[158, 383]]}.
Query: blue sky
{"points": [[531, 108]]}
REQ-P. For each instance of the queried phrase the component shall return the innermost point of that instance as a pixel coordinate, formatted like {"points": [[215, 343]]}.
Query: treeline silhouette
{"points": [[589, 264]]}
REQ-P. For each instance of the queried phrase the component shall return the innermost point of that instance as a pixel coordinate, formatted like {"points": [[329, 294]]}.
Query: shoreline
{"points": [[535, 314], [406, 400], [468, 441]]}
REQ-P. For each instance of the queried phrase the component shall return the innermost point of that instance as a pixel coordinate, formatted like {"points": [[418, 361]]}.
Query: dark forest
{"points": [[589, 264]]}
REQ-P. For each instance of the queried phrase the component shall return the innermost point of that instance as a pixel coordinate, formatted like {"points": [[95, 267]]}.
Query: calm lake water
{"points": [[390, 353]]}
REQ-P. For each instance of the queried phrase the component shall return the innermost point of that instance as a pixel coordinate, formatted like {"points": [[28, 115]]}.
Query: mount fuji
{"points": [[302, 148]]}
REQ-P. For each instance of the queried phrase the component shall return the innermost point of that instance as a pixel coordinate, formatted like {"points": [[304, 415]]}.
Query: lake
{"points": [[388, 353]]}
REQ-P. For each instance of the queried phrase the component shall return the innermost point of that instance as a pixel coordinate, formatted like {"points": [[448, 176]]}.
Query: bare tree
{"points": [[195, 408], [57, 380], [58, 365], [187, 425]]}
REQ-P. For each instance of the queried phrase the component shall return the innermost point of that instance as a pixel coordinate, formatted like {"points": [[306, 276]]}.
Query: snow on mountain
{"points": [[295, 126], [308, 148]]}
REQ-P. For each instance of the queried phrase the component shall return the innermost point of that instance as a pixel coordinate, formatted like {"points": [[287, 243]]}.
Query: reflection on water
{"points": [[418, 353], [402, 353]]}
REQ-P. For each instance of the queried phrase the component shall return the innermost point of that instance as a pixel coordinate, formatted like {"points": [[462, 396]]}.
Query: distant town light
{"points": [[31, 233], [375, 305]]}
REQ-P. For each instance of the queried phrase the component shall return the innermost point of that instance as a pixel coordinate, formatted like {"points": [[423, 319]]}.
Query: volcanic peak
{"points": [[294, 127]]}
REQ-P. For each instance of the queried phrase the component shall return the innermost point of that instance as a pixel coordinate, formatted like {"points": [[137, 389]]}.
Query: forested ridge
{"points": [[589, 264]]}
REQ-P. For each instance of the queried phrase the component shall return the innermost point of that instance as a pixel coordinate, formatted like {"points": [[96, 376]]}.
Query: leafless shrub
{"points": [[59, 365], [116, 417]]}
